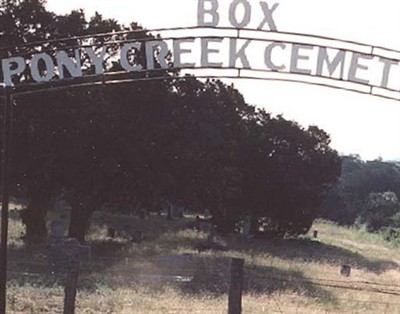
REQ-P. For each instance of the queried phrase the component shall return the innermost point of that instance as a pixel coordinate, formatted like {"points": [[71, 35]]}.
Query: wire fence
{"points": [[202, 274]]}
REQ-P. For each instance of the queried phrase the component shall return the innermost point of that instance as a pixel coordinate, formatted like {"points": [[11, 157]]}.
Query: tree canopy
{"points": [[348, 198], [181, 140]]}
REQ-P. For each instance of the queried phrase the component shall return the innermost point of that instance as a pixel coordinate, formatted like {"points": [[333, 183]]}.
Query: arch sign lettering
{"points": [[249, 48]]}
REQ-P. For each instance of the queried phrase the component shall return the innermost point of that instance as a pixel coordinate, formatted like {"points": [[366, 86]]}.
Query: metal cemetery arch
{"points": [[349, 59], [348, 53]]}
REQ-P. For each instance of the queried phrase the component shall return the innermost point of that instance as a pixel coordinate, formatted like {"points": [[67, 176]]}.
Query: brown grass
{"points": [[281, 276]]}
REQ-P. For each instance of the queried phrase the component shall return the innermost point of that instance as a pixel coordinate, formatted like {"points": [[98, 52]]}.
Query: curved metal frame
{"points": [[242, 34], [123, 77]]}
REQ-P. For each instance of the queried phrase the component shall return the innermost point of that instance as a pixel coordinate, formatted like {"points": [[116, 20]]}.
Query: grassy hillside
{"points": [[281, 276]]}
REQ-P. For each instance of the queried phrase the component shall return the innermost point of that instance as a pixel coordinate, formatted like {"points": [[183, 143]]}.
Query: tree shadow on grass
{"points": [[30, 263], [212, 276], [209, 274], [313, 251]]}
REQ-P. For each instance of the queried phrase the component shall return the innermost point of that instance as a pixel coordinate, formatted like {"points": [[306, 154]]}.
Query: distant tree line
{"points": [[188, 142], [367, 193]]}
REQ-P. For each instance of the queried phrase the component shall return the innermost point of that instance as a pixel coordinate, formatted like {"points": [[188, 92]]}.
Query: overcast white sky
{"points": [[358, 124]]}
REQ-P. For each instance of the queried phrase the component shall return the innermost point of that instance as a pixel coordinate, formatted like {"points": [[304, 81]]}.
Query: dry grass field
{"points": [[281, 276]]}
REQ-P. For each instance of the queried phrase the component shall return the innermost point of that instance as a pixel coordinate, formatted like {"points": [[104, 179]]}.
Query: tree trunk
{"points": [[34, 217], [79, 222], [225, 224]]}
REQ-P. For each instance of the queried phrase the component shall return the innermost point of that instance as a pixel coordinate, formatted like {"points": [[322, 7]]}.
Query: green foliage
{"points": [[287, 171], [347, 198], [186, 142], [391, 234], [380, 210]]}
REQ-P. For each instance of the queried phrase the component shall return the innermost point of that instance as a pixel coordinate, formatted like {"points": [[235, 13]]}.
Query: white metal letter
{"points": [[206, 51], [323, 58], [179, 51], [64, 61], [48, 72], [246, 17], [98, 61], [125, 63], [162, 53], [388, 63], [268, 57], [212, 11], [268, 16], [238, 54], [296, 56], [355, 65], [8, 72]]}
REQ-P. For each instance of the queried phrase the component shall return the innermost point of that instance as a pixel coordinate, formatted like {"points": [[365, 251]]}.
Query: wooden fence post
{"points": [[71, 254], [236, 286], [70, 288]]}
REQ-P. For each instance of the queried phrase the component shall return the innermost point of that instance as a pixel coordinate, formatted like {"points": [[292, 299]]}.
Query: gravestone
{"points": [[247, 226], [213, 232], [134, 235], [111, 232], [64, 252], [57, 229], [180, 212], [175, 264], [137, 237], [143, 213], [345, 270]]}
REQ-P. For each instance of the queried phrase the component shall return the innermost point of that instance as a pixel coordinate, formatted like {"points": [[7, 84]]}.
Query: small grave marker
{"points": [[247, 226], [212, 235], [135, 236], [111, 232], [57, 229], [143, 213], [345, 270], [66, 251], [180, 212]]}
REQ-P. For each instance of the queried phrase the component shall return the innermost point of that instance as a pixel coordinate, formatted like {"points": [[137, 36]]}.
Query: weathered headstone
{"points": [[57, 230], [143, 213], [247, 226], [134, 235], [203, 224], [213, 232], [180, 212], [137, 237], [176, 264], [82, 253], [111, 232], [64, 251], [345, 270]]}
